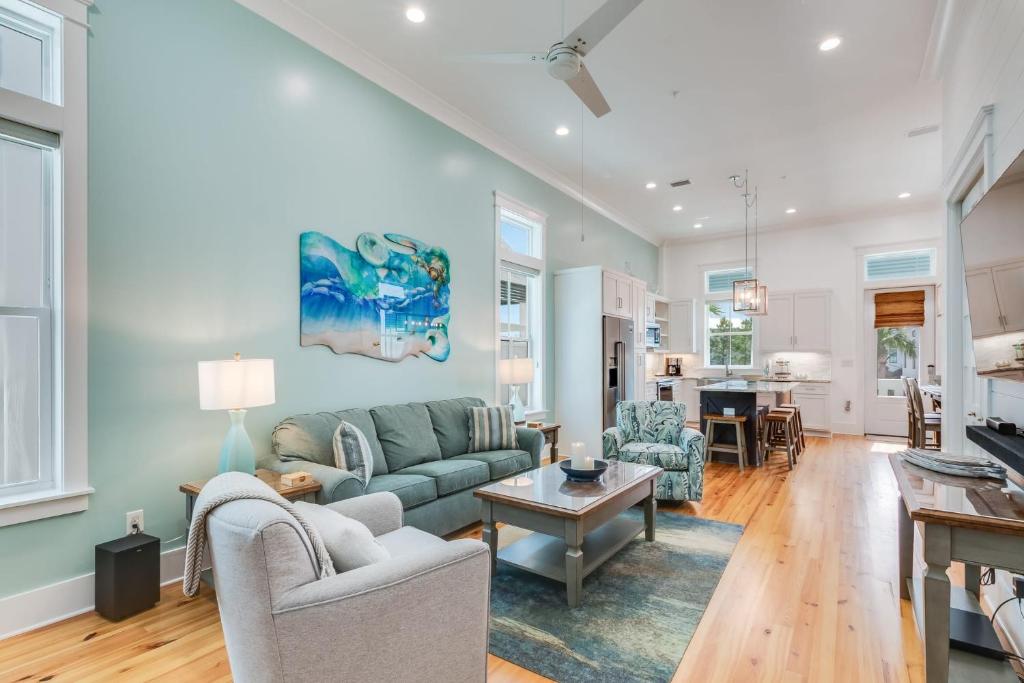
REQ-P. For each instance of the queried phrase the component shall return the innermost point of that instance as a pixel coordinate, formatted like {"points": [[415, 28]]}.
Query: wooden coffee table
{"points": [[578, 525]]}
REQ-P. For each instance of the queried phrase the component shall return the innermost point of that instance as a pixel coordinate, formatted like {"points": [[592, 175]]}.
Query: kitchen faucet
{"points": [[728, 372]]}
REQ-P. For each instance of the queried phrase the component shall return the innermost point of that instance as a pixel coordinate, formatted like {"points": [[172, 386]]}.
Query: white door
{"points": [[812, 320], [1009, 280], [984, 307], [892, 353], [776, 328]]}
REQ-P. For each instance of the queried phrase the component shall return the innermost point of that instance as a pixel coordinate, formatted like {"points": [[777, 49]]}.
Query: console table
{"points": [[979, 522]]}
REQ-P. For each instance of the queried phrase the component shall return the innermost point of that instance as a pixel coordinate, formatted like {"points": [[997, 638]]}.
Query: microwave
{"points": [[653, 336]]}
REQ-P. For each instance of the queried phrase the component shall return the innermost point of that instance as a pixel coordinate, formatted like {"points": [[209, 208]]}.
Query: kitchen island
{"points": [[742, 397]]}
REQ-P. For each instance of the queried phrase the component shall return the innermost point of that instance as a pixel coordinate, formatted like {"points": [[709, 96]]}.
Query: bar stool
{"points": [[738, 422], [799, 424], [792, 425], [762, 411], [779, 428]]}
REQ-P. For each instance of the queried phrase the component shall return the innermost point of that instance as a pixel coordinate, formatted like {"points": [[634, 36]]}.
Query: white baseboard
{"points": [[58, 601], [850, 428]]}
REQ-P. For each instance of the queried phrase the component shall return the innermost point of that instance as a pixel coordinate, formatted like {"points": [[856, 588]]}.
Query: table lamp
{"points": [[513, 372], [234, 385]]}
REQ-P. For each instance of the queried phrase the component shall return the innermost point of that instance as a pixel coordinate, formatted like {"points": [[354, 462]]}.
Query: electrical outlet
{"points": [[1018, 587], [132, 520]]}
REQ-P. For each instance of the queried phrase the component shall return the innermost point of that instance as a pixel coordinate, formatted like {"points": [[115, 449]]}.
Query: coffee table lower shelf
{"points": [[545, 555]]}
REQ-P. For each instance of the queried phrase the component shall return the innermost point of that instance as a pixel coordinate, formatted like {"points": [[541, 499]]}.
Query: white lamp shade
{"points": [[233, 384], [515, 370]]}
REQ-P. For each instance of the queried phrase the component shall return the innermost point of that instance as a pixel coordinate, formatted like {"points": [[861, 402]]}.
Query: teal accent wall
{"points": [[215, 139]]}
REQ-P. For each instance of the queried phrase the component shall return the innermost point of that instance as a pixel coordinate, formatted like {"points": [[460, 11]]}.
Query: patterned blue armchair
{"points": [[655, 433]]}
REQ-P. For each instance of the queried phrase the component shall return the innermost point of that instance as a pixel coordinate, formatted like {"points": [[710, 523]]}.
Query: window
{"points": [[43, 469], [730, 336], [720, 281], [520, 265], [899, 265]]}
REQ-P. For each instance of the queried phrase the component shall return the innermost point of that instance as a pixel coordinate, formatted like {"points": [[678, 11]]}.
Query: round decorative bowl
{"points": [[583, 475]]}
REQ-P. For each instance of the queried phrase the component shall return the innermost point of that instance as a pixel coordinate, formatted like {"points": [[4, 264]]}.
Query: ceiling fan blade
{"points": [[502, 57], [586, 89], [599, 24]]}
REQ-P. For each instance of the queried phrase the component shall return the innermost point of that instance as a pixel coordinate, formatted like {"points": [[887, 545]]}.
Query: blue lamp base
{"points": [[237, 453]]}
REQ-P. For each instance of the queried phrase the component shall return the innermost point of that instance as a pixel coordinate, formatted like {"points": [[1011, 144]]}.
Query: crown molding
{"points": [[322, 37]]}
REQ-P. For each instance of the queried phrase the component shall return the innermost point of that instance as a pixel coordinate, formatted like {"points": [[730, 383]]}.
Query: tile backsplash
{"points": [[809, 365]]}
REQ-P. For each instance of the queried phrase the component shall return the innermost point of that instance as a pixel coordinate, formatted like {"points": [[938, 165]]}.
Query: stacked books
{"points": [[957, 465]]}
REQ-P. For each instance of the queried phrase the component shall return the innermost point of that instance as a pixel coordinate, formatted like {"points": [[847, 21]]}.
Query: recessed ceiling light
{"points": [[698, 225], [903, 195], [791, 210], [562, 131], [651, 186], [830, 43], [677, 208], [415, 15]]}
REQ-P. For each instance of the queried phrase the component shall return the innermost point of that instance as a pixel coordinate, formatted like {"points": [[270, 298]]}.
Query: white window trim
{"points": [[539, 314], [71, 489]]}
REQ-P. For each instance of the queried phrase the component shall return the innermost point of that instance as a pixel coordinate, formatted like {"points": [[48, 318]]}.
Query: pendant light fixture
{"points": [[762, 290], [745, 291]]}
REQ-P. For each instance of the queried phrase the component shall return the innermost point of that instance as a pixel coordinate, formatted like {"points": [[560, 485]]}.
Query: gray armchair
{"points": [[420, 615]]}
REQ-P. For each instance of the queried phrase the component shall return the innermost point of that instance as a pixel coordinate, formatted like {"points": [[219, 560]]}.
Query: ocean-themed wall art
{"points": [[387, 299]]}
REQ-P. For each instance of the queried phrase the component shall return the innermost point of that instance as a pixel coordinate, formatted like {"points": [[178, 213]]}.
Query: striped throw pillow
{"points": [[352, 451], [491, 429]]}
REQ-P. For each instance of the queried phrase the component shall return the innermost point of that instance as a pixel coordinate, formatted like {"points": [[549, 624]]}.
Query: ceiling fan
{"points": [[564, 60]]}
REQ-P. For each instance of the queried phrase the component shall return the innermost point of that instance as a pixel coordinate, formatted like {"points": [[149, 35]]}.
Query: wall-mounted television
{"points": [[993, 242]]}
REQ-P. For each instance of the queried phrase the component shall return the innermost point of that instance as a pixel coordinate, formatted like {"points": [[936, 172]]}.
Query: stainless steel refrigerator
{"points": [[618, 365]]}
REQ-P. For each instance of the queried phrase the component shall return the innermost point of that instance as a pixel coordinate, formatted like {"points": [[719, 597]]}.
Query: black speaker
{"points": [[127, 576]]}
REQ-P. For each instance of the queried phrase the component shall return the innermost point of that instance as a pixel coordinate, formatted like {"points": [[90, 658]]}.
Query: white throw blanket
{"points": [[225, 488]]}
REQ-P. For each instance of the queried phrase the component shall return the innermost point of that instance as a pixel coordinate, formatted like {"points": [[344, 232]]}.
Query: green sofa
{"points": [[419, 454]]}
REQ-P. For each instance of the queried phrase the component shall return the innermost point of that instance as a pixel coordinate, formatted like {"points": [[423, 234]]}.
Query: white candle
{"points": [[577, 452]]}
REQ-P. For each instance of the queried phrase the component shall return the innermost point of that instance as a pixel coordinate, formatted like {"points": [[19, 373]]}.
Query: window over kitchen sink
{"points": [[730, 336]]}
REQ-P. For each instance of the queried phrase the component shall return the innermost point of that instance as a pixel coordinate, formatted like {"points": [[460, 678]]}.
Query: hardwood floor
{"points": [[809, 595]]}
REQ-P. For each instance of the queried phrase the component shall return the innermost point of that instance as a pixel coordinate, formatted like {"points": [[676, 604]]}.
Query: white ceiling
{"points": [[825, 133]]}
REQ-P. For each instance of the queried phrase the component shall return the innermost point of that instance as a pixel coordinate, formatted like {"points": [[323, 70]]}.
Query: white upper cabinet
{"points": [[812, 321], [617, 294], [989, 290], [639, 316], [609, 294], [681, 327], [776, 328], [1009, 281], [800, 321]]}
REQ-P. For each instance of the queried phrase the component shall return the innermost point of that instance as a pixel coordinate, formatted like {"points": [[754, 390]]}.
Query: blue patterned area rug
{"points": [[639, 611]]}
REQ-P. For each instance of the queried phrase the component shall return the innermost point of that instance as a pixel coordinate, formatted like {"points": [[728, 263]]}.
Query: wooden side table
{"points": [[550, 432], [304, 492]]}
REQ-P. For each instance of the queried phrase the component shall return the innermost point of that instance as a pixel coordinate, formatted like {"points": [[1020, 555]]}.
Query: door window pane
{"points": [[897, 353], [24, 216], [517, 296], [20, 407]]}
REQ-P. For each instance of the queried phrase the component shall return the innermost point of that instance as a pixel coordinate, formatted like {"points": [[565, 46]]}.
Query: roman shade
{"points": [[899, 309]]}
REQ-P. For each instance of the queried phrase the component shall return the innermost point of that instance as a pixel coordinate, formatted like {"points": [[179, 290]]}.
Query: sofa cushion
{"points": [[352, 451], [501, 463], [409, 540], [349, 543], [310, 437], [450, 419], [451, 476], [411, 489], [406, 435], [665, 455]]}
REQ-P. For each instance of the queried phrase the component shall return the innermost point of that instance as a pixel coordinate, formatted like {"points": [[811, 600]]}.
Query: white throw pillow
{"points": [[349, 543], [352, 451]]}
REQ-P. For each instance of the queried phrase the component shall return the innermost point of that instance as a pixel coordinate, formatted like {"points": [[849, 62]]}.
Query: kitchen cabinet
{"points": [[798, 321], [649, 307], [685, 391], [991, 293], [617, 294], [650, 391], [814, 402], [639, 317], [680, 328], [640, 373]]}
